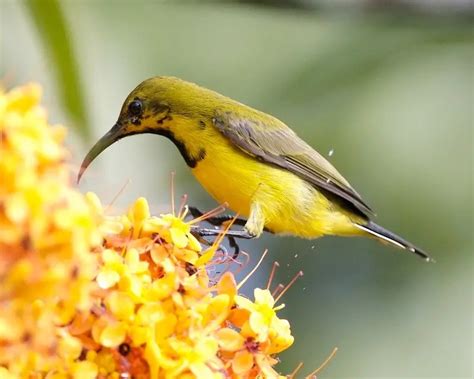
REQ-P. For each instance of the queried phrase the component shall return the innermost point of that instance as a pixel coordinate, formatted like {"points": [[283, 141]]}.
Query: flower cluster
{"points": [[47, 230], [157, 314], [87, 295]]}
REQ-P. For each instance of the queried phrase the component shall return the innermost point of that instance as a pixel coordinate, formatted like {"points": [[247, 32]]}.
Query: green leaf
{"points": [[52, 28]]}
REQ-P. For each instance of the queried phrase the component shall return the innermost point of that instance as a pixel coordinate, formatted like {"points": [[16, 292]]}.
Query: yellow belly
{"points": [[290, 205]]}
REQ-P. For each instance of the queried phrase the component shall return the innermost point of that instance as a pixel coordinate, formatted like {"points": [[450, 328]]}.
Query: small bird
{"points": [[249, 160]]}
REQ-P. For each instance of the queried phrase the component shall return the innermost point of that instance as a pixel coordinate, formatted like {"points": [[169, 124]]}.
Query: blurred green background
{"points": [[387, 85]]}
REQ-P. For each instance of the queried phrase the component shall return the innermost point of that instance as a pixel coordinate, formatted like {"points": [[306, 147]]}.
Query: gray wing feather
{"points": [[277, 144]]}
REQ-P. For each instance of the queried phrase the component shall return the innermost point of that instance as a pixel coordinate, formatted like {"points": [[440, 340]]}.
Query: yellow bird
{"points": [[250, 160]]}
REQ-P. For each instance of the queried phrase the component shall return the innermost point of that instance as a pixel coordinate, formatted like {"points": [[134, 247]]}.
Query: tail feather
{"points": [[385, 235]]}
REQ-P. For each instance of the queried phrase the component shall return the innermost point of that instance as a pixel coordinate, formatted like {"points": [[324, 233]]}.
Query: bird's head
{"points": [[151, 108]]}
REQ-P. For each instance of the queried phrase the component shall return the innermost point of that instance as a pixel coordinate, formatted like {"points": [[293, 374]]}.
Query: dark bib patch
{"points": [[191, 160]]}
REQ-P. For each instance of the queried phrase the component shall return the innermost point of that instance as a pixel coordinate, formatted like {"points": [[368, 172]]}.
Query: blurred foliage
{"points": [[402, 6], [374, 46], [53, 30], [390, 92]]}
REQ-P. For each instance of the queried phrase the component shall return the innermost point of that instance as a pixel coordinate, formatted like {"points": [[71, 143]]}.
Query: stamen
{"points": [[272, 274], [219, 239], [241, 264], [278, 288], [172, 192], [213, 212], [228, 260], [253, 270], [183, 209], [209, 253], [121, 190], [292, 281], [328, 359], [295, 371]]}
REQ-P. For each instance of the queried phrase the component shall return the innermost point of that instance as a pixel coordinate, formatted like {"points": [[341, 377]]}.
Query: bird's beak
{"points": [[113, 135]]}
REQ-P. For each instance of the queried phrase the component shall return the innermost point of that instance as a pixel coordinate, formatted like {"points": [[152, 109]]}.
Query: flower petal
{"points": [[242, 362]]}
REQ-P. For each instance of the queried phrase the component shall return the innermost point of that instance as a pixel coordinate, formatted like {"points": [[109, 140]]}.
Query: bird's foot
{"points": [[202, 240], [231, 235], [244, 234]]}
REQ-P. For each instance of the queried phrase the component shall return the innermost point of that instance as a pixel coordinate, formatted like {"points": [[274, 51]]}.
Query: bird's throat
{"points": [[191, 156]]}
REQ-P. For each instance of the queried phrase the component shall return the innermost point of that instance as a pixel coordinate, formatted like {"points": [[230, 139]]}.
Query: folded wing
{"points": [[271, 141]]}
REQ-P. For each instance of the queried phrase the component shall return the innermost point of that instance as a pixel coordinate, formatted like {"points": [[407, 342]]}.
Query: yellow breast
{"points": [[229, 176]]}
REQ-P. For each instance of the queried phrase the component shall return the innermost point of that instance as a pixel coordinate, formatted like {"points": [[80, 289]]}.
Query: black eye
{"points": [[135, 108]]}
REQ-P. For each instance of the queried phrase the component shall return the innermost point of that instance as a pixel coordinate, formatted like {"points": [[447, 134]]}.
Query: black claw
{"points": [[200, 238], [233, 244], [195, 212]]}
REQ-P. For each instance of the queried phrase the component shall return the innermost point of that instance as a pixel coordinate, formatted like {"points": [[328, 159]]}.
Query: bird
{"points": [[249, 160]]}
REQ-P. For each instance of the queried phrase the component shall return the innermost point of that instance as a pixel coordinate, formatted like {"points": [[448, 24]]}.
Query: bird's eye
{"points": [[135, 108]]}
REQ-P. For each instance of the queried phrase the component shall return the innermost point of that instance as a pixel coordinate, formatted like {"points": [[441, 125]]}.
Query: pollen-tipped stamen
{"points": [[272, 274], [324, 364], [253, 270], [117, 195], [292, 281], [277, 289], [183, 208], [295, 371], [213, 212], [221, 236]]}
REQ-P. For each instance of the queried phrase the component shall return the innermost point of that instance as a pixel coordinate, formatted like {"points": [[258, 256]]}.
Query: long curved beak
{"points": [[113, 135]]}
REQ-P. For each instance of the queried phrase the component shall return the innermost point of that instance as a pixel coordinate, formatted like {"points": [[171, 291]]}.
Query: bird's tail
{"points": [[385, 235]]}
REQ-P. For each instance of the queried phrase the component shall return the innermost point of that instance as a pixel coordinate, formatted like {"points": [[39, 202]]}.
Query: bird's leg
{"points": [[256, 222], [217, 220], [231, 235], [204, 241], [253, 227], [203, 232]]}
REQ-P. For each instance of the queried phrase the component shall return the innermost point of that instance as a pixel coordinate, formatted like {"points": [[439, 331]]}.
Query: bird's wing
{"points": [[273, 142]]}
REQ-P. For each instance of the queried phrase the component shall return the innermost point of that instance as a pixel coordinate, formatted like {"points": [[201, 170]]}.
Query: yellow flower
{"points": [[5, 374], [84, 370], [279, 336], [113, 334], [121, 305], [47, 233], [138, 214], [173, 230], [262, 313], [113, 267], [229, 339], [69, 347]]}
